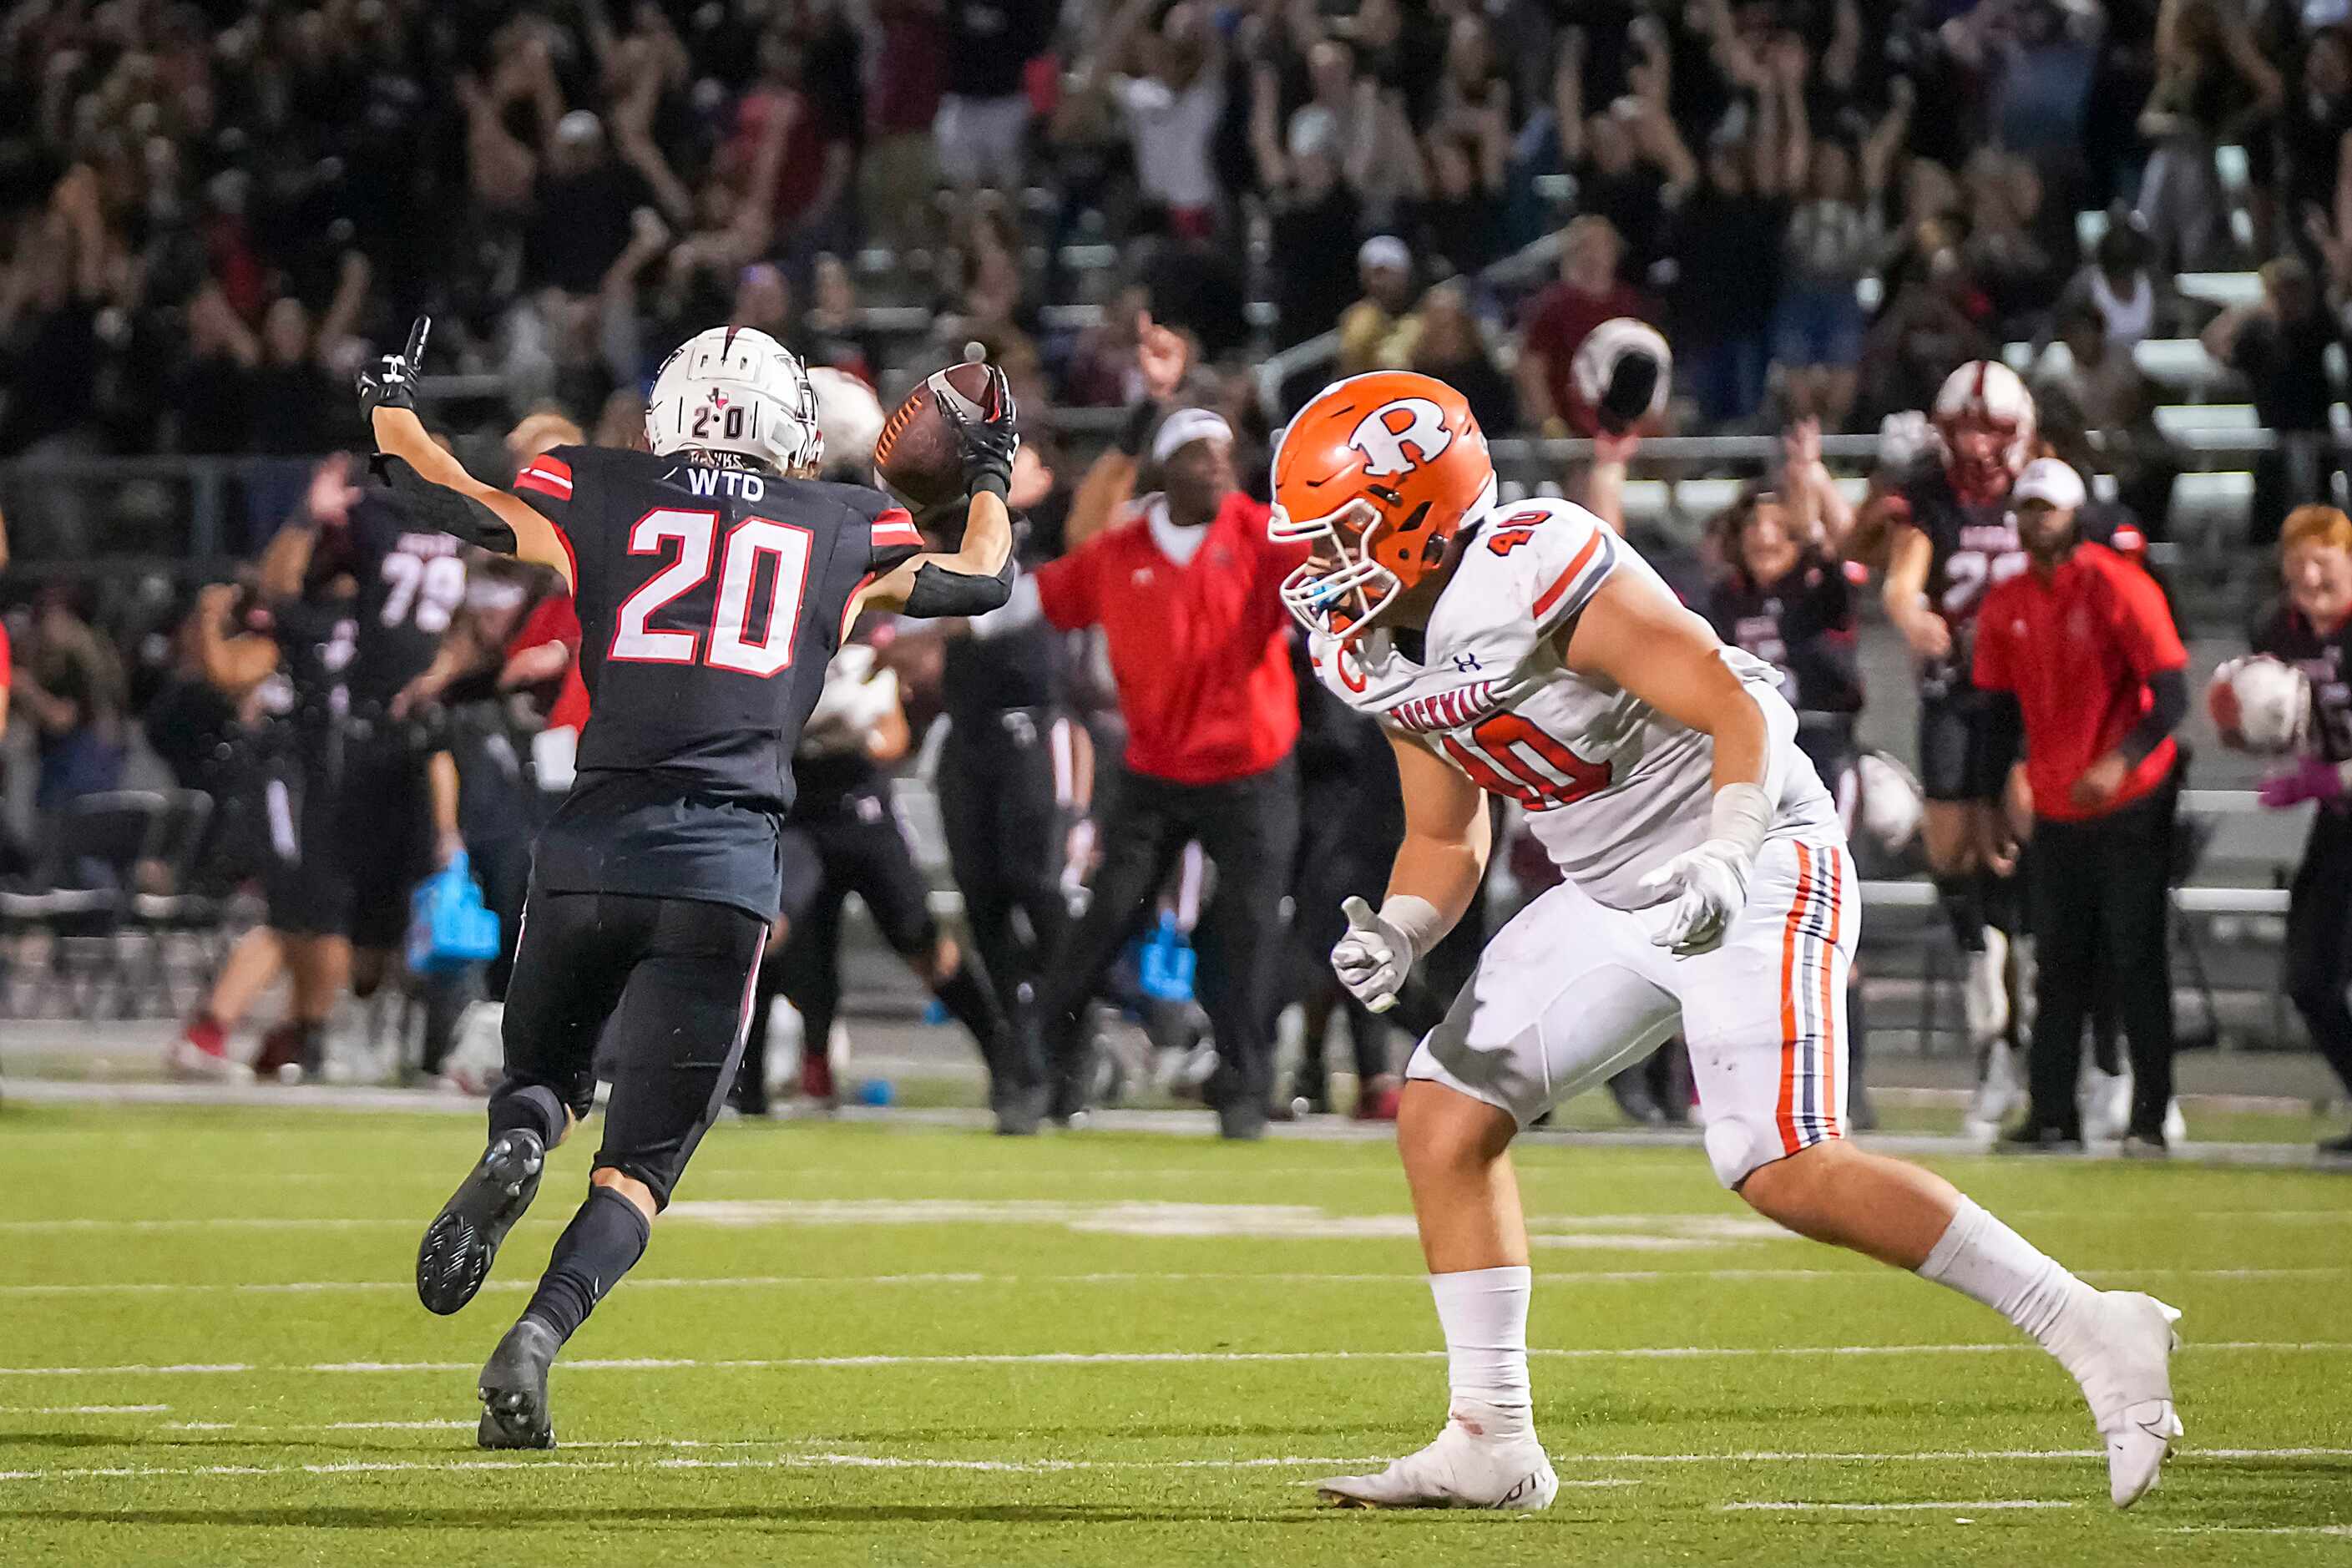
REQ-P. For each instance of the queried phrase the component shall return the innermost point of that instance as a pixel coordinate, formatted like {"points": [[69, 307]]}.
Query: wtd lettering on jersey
{"points": [[729, 481], [1456, 708]]}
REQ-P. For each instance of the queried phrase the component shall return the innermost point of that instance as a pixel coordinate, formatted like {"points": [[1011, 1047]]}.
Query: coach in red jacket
{"points": [[2084, 640], [1185, 590]]}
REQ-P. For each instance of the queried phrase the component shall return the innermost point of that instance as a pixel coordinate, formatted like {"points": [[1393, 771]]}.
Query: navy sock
{"points": [[602, 1242], [533, 1106], [1961, 893]]}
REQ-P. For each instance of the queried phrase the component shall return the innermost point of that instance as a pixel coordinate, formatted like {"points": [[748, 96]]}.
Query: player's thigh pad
{"points": [[678, 1036], [571, 957], [1946, 738], [1561, 998], [1763, 1012]]}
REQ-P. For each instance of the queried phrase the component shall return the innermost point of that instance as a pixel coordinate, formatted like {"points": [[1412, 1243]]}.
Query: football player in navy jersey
{"points": [[1951, 537], [2311, 628], [714, 577]]}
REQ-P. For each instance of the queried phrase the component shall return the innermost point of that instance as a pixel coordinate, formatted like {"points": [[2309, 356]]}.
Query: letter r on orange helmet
{"points": [[1377, 474]]}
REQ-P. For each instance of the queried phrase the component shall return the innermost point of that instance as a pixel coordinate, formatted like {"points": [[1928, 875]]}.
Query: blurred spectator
{"points": [[1834, 236], [2312, 133], [1452, 347], [2211, 80], [1630, 162], [2104, 389], [1171, 103], [69, 682], [1589, 292], [2017, 271], [2132, 301], [984, 118], [1724, 293], [2280, 345], [831, 331], [1380, 330], [900, 166], [1456, 224], [1315, 221]]}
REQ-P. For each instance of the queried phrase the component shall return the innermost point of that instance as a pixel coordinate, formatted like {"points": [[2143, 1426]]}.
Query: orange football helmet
{"points": [[1377, 473]]}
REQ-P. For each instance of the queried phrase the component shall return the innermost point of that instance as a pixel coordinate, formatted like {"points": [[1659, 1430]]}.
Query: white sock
{"points": [[1484, 1312], [1984, 1259]]}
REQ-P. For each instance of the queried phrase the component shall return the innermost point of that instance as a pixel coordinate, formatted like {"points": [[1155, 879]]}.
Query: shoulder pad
{"points": [[1541, 560]]}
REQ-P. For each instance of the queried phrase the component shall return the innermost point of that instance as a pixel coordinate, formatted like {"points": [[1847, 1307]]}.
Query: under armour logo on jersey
{"points": [[1382, 439], [1466, 663]]}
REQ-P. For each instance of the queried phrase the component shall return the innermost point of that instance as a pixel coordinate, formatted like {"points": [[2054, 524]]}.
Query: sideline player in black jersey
{"points": [[2311, 628], [1016, 772], [409, 581], [713, 579], [1951, 538], [843, 837]]}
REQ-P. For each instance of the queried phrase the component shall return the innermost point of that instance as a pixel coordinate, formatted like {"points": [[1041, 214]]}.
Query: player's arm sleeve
{"points": [[2152, 643], [438, 493], [1065, 590], [1561, 565]]}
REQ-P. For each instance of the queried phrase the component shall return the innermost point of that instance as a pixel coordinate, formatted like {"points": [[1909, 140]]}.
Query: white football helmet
{"points": [[1623, 371], [1985, 417], [2265, 702], [848, 416], [736, 389]]}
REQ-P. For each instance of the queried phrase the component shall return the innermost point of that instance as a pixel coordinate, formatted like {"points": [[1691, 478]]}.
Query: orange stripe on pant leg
{"points": [[1788, 1118], [1829, 1122]]}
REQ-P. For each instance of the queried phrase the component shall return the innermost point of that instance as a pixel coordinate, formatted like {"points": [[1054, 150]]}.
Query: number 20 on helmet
{"points": [[1377, 474]]}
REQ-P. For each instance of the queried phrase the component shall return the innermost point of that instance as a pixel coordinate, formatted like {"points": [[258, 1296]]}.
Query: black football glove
{"points": [[988, 441], [390, 380]]}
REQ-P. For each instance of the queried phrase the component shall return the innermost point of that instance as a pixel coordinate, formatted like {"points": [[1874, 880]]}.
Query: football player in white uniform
{"points": [[1525, 650]]}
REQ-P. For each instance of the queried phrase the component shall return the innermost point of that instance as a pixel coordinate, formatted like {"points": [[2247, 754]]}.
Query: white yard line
{"points": [[774, 1462], [2261, 1529], [1132, 1358], [835, 1281], [84, 1409], [1889, 1507]]}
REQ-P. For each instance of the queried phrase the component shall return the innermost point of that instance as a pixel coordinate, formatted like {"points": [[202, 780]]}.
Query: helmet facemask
{"points": [[1338, 589]]}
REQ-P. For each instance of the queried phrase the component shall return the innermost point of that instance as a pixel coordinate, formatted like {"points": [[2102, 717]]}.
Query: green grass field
{"points": [[888, 1345]]}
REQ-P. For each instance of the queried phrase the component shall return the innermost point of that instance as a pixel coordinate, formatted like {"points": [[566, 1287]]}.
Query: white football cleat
{"points": [[1984, 988], [185, 1059], [1458, 1470], [2129, 1386], [2106, 1101], [1999, 1092]]}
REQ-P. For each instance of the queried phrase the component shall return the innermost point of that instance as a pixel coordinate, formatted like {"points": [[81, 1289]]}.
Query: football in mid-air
{"points": [[2264, 703], [916, 455]]}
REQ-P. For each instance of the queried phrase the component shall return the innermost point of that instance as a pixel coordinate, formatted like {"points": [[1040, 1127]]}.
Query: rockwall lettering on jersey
{"points": [[1456, 709]]}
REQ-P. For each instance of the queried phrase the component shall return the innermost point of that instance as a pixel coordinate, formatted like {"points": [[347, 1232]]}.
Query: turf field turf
{"points": [[896, 1344]]}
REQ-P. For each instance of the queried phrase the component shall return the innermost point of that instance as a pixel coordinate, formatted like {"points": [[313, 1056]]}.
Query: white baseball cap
{"points": [[1385, 250], [1183, 428], [2050, 480]]}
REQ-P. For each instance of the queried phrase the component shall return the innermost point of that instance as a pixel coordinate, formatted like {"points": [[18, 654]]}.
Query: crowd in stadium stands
{"points": [[1825, 202], [211, 210]]}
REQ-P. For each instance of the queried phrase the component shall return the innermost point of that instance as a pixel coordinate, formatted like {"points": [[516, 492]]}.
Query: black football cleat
{"points": [[454, 1257], [513, 1389]]}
